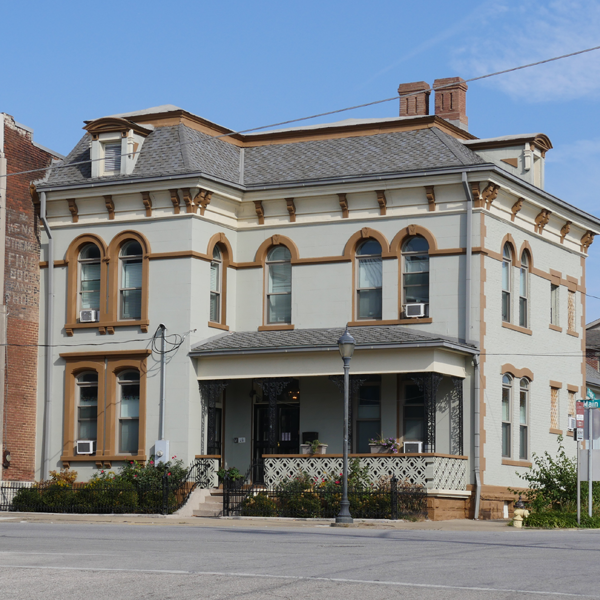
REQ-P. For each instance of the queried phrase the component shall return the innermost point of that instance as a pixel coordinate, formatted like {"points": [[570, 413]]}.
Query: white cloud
{"points": [[531, 31]]}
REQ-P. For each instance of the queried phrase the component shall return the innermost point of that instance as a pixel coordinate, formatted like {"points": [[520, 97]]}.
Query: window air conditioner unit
{"points": [[86, 446], [413, 447], [572, 424], [89, 316], [416, 310]]}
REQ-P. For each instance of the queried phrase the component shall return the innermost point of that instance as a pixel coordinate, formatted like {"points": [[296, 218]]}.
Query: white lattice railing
{"points": [[440, 472]]}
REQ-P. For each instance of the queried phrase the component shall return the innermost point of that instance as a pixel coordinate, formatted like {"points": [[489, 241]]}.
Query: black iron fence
{"points": [[163, 495], [387, 500]]}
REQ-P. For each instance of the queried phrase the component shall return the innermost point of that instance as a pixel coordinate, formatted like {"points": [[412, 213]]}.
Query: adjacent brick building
{"points": [[19, 311]]}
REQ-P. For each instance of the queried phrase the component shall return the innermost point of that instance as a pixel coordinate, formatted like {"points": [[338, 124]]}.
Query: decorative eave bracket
{"points": [[291, 208], [260, 213], [382, 201], [344, 205], [110, 207], [74, 210]]}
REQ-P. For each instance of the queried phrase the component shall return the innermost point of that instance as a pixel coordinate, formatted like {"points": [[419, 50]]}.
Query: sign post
{"points": [[578, 437]]}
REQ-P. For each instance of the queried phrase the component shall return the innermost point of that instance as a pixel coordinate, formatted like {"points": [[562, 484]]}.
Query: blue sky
{"points": [[247, 64]]}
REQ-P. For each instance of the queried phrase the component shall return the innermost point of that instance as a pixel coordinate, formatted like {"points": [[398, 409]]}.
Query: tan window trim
{"points": [[556, 384], [518, 373], [555, 328], [516, 463], [109, 270], [275, 327], [106, 444], [556, 431], [572, 388], [517, 328], [573, 333], [220, 240], [373, 323], [218, 326]]}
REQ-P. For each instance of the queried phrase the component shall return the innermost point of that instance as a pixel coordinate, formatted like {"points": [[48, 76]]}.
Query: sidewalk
{"points": [[248, 522]]}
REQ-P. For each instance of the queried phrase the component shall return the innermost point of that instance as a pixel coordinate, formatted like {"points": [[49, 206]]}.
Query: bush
{"points": [[108, 495], [562, 520], [301, 506], [46, 497], [259, 506]]}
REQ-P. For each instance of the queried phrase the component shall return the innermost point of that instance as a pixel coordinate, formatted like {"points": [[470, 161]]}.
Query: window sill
{"points": [[105, 327], [218, 326], [555, 328], [573, 333], [556, 431], [517, 328], [570, 433], [102, 460], [371, 323], [282, 327], [516, 463]]}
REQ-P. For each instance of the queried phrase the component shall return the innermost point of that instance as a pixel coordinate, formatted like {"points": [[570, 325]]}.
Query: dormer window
{"points": [[112, 158], [116, 145]]}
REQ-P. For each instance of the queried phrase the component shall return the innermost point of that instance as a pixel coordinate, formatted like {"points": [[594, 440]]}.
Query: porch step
{"points": [[212, 505]]}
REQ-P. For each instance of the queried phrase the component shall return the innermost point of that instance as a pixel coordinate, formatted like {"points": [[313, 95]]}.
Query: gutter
{"points": [[49, 341], [486, 167], [291, 349], [468, 316]]}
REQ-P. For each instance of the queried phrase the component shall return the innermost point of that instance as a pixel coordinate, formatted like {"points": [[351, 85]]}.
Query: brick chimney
{"points": [[451, 101], [416, 104]]}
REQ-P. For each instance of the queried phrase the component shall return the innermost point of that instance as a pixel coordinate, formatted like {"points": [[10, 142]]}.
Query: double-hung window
{"points": [[506, 277], [130, 292], [523, 418], [216, 271], [523, 290], [554, 304], [89, 278], [506, 415], [415, 277], [369, 280], [129, 411], [87, 405], [279, 285], [112, 158]]}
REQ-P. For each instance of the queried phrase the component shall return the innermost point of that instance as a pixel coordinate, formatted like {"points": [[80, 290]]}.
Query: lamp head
{"points": [[346, 344]]}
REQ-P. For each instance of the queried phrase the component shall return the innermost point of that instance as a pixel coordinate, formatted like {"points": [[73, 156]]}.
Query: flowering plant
{"points": [[390, 444]]}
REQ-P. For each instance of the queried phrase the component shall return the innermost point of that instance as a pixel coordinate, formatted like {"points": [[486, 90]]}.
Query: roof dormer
{"points": [[116, 145]]}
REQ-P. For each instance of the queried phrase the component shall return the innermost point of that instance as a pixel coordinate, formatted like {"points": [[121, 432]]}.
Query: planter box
{"points": [[305, 448], [378, 449]]}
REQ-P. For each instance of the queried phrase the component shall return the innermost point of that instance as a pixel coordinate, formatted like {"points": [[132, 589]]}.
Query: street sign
{"points": [[590, 395], [591, 404]]}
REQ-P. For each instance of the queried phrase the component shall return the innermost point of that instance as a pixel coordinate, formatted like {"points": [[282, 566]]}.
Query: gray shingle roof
{"points": [[592, 338], [319, 339], [179, 149], [591, 375]]}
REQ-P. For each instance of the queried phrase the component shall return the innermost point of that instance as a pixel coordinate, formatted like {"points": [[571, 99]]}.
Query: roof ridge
{"points": [[442, 137]]}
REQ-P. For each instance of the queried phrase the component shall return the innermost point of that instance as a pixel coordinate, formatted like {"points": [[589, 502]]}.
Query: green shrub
{"points": [[108, 495], [560, 520], [259, 506], [302, 505]]}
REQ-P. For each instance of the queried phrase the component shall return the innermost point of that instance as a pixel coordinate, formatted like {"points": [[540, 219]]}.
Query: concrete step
{"points": [[206, 511]]}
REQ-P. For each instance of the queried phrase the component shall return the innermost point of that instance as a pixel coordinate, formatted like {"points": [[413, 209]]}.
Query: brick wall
{"points": [[21, 296]]}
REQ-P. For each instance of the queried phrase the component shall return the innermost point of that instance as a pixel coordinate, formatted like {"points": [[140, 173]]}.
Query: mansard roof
{"points": [[372, 337], [179, 150]]}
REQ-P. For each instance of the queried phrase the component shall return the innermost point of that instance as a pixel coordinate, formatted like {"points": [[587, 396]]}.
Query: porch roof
{"points": [[305, 340]]}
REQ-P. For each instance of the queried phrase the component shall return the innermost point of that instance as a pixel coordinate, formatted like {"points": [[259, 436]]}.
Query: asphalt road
{"points": [[104, 561]]}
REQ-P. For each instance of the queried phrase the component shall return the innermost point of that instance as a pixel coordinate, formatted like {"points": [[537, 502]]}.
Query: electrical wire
{"points": [[331, 112]]}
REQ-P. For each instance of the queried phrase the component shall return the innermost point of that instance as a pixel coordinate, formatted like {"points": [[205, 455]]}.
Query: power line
{"points": [[331, 112]]}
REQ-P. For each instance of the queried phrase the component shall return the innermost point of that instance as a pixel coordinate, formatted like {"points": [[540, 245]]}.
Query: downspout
{"points": [[49, 339], [476, 392]]}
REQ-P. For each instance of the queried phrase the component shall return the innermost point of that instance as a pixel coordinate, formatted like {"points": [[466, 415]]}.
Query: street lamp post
{"points": [[346, 345]]}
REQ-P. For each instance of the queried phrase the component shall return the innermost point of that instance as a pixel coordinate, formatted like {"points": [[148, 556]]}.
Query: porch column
{"points": [[428, 384], [209, 392], [355, 382], [272, 389], [456, 416]]}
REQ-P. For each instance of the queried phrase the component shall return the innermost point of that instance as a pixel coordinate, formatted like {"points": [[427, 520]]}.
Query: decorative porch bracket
{"points": [[209, 392], [272, 389], [428, 384], [355, 382], [456, 416]]}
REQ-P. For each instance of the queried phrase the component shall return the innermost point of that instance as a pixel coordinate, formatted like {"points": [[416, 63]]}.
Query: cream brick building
{"points": [[259, 249]]}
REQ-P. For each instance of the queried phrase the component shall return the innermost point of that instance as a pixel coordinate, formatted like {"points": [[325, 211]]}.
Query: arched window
{"points": [[523, 290], [369, 280], [216, 274], [129, 411], [523, 421], [279, 285], [130, 290], [506, 277], [89, 278], [415, 272], [87, 405], [506, 414]]}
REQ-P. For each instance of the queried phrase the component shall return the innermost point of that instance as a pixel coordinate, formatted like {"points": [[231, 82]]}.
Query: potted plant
{"points": [[381, 445], [232, 475], [314, 447]]}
